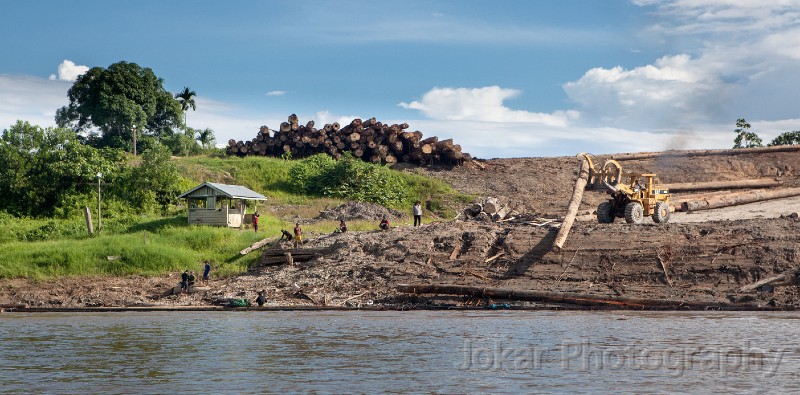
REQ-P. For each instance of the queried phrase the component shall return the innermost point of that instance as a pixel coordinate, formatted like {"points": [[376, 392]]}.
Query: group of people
{"points": [[188, 277], [298, 235], [297, 238], [416, 210]]}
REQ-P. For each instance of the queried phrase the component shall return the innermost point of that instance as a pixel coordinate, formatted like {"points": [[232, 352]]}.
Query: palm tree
{"points": [[186, 98], [206, 138]]}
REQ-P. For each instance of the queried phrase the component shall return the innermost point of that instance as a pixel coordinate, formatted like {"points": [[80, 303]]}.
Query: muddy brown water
{"points": [[491, 351]]}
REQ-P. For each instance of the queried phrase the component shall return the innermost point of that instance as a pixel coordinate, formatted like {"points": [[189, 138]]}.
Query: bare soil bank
{"points": [[702, 258]]}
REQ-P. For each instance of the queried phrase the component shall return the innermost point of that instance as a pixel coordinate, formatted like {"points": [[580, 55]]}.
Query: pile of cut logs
{"points": [[490, 209], [369, 140]]}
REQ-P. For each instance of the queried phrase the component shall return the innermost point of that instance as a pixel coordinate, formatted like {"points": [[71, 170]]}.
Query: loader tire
{"points": [[661, 214], [634, 213], [604, 215]]}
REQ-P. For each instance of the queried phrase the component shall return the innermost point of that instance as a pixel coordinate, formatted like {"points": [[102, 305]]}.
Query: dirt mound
{"points": [[352, 211]]}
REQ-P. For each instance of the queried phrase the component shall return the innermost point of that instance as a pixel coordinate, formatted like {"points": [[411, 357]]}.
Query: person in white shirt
{"points": [[417, 211]]}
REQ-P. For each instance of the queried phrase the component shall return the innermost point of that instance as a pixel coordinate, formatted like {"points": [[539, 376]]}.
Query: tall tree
{"points": [[186, 98], [744, 137], [115, 99]]}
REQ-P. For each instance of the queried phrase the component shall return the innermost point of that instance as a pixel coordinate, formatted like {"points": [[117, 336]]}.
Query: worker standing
{"points": [[298, 235], [417, 211], [255, 221], [206, 272]]}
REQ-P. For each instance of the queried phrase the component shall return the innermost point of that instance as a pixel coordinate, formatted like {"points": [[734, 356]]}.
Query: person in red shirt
{"points": [[384, 225], [255, 221]]}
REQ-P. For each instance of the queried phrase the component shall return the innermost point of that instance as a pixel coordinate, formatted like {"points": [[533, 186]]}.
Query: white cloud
{"points": [[481, 104], [324, 116], [69, 71], [30, 99], [736, 17], [744, 62], [276, 93], [675, 91], [520, 139]]}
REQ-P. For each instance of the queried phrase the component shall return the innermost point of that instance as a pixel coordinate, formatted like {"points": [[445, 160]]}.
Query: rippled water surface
{"points": [[399, 352]]}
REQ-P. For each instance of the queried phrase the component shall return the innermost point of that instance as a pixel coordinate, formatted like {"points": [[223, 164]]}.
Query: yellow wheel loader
{"points": [[637, 197]]}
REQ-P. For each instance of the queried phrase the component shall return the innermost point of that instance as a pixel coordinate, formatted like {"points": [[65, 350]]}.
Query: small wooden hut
{"points": [[216, 204]]}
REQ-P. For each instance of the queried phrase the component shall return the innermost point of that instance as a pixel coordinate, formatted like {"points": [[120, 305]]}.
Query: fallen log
{"points": [[500, 214], [735, 199], [560, 297], [255, 246], [677, 201], [789, 276], [13, 306], [574, 204], [714, 185], [687, 153], [491, 205]]}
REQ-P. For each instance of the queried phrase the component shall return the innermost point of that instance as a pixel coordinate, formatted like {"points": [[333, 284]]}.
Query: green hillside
{"points": [[138, 241]]}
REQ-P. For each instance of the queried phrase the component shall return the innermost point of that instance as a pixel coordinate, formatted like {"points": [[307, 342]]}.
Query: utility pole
{"points": [[99, 199], [134, 140]]}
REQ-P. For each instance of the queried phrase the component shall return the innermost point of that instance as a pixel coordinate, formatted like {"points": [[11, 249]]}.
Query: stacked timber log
{"points": [[370, 140], [489, 209]]}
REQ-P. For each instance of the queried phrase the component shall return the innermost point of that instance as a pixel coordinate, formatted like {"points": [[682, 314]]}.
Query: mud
{"points": [[706, 258]]}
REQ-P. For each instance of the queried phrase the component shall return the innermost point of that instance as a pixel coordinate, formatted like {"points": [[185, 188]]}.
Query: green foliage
{"points": [[152, 184], [308, 175], [349, 178], [117, 99], [786, 138], [744, 137], [206, 138], [143, 242], [186, 99], [43, 169], [182, 144]]}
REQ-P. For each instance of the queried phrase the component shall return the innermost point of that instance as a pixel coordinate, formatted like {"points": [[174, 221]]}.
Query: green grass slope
{"points": [[131, 243]]}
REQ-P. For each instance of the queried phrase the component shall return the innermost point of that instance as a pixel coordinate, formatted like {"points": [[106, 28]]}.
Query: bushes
{"points": [[348, 178]]}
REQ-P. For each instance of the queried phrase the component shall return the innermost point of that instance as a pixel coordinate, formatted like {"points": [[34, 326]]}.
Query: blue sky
{"points": [[504, 79]]}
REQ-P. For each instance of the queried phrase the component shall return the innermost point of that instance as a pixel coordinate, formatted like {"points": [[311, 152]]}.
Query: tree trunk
{"points": [[735, 199], [491, 205], [788, 277], [713, 185], [574, 204], [736, 151]]}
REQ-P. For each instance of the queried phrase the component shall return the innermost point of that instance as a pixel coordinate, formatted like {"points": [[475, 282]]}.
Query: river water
{"points": [[400, 352]]}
